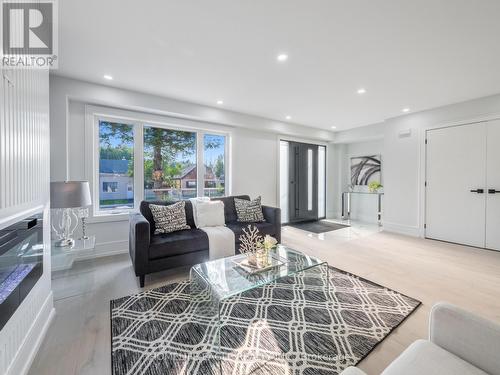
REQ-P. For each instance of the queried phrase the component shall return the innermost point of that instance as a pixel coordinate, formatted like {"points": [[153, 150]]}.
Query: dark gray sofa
{"points": [[157, 252]]}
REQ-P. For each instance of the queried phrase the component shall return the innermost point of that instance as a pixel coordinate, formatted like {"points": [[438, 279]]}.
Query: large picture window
{"points": [[116, 166], [147, 160]]}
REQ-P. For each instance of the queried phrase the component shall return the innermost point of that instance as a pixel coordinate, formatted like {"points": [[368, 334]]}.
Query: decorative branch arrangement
{"points": [[251, 240], [255, 247]]}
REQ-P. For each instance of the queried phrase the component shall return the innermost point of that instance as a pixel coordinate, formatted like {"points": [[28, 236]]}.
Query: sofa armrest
{"points": [[468, 336], [352, 371], [139, 238], [273, 216]]}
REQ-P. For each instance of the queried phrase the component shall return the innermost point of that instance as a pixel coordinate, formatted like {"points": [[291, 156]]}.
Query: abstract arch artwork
{"points": [[365, 169]]}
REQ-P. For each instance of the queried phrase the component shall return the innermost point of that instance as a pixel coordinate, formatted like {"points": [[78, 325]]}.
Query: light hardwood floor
{"points": [[78, 341]]}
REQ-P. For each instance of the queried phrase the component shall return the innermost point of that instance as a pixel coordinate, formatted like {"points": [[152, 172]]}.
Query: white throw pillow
{"points": [[194, 203], [210, 214]]}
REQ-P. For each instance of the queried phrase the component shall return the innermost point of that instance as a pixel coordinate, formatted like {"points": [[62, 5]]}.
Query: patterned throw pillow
{"points": [[249, 211], [169, 218]]}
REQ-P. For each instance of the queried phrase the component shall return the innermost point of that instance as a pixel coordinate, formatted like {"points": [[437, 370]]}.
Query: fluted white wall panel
{"points": [[24, 140], [24, 190]]}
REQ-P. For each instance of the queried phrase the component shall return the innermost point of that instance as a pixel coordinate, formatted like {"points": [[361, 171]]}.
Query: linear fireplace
{"points": [[21, 263]]}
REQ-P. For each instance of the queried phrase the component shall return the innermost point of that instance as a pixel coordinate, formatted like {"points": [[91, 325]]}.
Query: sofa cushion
{"points": [[208, 213], [249, 211], [170, 218], [146, 212], [177, 243], [264, 228], [424, 357]]}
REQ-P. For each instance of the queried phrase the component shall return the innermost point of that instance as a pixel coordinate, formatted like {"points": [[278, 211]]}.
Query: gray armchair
{"points": [[460, 343]]}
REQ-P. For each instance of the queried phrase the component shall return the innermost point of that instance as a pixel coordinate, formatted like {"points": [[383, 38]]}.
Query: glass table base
{"points": [[212, 284]]}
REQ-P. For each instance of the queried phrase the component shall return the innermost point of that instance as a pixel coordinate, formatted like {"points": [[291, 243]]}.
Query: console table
{"points": [[346, 198]]}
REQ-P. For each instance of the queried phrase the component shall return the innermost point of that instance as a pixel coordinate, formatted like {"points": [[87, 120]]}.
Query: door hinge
{"points": [[425, 140], [425, 183], [425, 226]]}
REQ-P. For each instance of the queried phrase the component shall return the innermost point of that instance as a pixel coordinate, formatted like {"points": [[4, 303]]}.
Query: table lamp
{"points": [[66, 196]]}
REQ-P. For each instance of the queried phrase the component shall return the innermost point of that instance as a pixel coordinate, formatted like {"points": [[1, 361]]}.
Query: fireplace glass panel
{"points": [[21, 263]]}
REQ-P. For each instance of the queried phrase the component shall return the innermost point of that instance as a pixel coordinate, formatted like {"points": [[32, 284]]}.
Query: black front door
{"points": [[303, 184]]}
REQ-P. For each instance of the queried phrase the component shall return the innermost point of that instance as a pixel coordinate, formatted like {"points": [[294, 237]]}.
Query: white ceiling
{"points": [[406, 53]]}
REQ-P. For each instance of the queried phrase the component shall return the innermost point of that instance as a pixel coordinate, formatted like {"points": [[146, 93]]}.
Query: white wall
{"points": [[404, 155], [254, 165], [254, 143], [24, 190]]}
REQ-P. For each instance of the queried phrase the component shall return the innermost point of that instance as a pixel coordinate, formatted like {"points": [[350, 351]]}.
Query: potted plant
{"points": [[374, 186]]}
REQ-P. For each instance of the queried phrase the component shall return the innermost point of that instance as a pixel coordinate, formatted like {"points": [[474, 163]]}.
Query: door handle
{"points": [[493, 191], [479, 191]]}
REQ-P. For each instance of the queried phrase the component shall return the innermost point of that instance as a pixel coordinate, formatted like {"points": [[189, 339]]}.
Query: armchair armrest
{"points": [[468, 336], [273, 216], [139, 238]]}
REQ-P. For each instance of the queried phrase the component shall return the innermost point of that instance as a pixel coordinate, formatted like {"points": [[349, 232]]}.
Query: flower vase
{"points": [[262, 257]]}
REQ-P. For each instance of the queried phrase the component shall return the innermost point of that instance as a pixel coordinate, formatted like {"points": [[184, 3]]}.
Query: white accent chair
{"points": [[460, 343]]}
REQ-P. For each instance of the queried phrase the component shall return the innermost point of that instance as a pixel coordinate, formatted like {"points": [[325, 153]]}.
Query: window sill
{"points": [[108, 217]]}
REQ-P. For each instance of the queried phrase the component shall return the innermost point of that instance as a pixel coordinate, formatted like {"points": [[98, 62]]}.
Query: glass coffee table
{"points": [[215, 281]]}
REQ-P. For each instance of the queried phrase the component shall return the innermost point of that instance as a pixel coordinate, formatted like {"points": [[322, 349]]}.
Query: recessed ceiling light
{"points": [[220, 102], [334, 127], [108, 77], [288, 117], [361, 91], [405, 110], [282, 57]]}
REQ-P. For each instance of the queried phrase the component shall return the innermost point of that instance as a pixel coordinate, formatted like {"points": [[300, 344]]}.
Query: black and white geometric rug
{"points": [[289, 327]]}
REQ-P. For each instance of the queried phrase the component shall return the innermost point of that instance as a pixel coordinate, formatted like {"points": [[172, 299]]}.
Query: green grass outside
{"points": [[107, 202]]}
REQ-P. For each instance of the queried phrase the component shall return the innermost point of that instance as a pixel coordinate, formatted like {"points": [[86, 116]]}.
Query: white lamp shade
{"points": [[70, 194]]}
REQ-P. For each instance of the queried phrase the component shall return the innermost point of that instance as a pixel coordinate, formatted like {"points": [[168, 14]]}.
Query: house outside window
{"points": [[109, 187]]}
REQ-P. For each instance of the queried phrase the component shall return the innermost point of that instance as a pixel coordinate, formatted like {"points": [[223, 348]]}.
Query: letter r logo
{"points": [[27, 28]]}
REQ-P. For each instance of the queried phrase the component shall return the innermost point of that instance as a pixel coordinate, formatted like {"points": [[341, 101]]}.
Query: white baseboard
{"points": [[407, 230], [36, 334]]}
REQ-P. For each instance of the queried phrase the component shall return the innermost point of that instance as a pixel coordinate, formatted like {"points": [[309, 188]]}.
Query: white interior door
{"points": [[493, 186], [456, 164]]}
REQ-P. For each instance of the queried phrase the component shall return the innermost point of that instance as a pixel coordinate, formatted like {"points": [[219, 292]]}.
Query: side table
{"points": [[68, 278]]}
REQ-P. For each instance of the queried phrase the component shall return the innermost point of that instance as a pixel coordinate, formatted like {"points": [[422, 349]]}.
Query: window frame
{"points": [[138, 120]]}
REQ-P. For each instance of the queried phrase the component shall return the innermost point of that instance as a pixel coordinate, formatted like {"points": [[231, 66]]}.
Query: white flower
{"points": [[269, 242]]}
